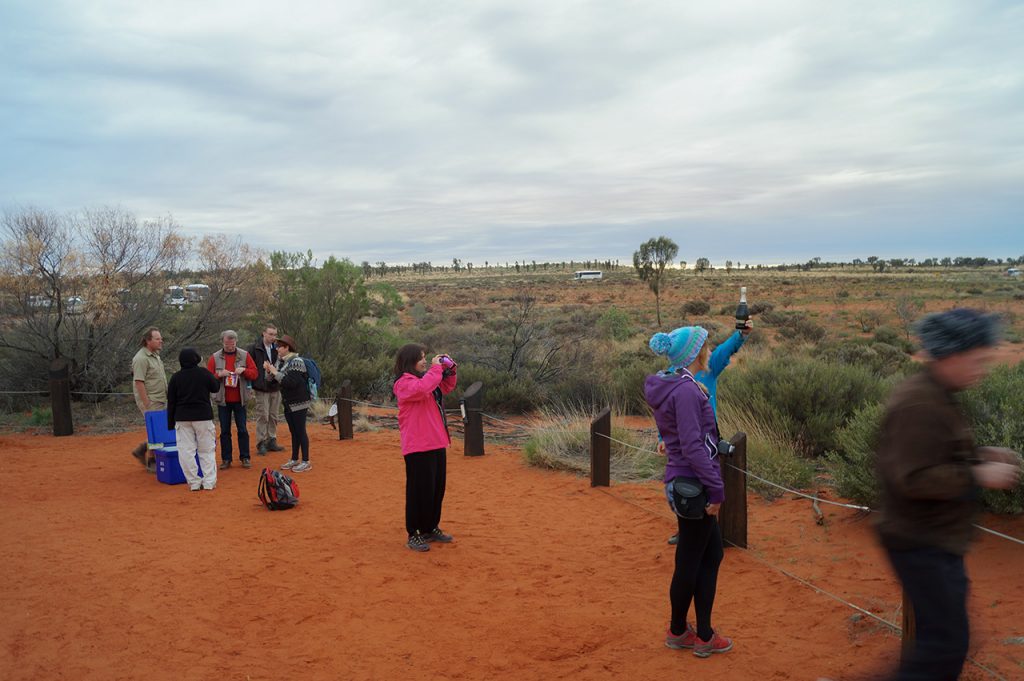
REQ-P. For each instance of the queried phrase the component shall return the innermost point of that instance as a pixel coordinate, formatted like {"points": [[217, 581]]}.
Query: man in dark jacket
{"points": [[930, 473], [268, 393], [190, 415]]}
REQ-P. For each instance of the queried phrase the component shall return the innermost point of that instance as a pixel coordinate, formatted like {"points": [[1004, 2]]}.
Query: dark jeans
{"points": [[936, 583], [698, 555], [296, 421], [425, 479], [225, 412]]}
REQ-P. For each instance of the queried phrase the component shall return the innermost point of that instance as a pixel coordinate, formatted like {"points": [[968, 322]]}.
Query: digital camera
{"points": [[446, 361], [725, 448]]}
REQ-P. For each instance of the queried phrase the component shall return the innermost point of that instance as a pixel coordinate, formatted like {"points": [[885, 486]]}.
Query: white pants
{"points": [[198, 436]]}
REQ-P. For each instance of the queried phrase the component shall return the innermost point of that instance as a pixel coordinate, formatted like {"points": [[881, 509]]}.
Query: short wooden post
{"points": [[909, 627], [601, 449], [733, 515], [473, 420], [60, 398], [344, 402]]}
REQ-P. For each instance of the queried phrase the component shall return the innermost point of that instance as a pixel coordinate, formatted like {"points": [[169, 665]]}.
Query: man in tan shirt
{"points": [[149, 383]]}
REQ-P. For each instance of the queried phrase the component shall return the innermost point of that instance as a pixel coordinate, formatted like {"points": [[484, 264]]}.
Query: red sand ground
{"points": [[111, 575]]}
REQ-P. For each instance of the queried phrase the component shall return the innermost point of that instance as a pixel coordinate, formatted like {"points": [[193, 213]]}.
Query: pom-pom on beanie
{"points": [[946, 333], [680, 346]]}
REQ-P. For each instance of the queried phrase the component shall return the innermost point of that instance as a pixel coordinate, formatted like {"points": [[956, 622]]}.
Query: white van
{"points": [[176, 297], [197, 293], [588, 274]]}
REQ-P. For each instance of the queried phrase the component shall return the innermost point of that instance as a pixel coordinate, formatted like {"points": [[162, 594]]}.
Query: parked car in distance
{"points": [[196, 293], [74, 305], [40, 301], [175, 297]]}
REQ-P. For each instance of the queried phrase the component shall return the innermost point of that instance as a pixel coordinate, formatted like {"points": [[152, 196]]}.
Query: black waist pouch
{"points": [[688, 497]]}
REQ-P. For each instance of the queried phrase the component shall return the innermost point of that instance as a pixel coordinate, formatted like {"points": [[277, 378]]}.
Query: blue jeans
{"points": [[225, 412], [936, 583]]}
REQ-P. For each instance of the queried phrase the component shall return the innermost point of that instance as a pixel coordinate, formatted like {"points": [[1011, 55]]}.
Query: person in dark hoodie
{"points": [[190, 415], [931, 474], [686, 422]]}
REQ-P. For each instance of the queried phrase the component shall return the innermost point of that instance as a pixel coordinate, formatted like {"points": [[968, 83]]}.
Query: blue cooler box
{"points": [[168, 469]]}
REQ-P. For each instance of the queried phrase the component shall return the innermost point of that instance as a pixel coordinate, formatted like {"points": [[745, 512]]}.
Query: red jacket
{"points": [[421, 426]]}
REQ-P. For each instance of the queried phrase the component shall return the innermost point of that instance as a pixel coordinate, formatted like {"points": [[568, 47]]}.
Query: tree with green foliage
{"points": [[650, 263]]}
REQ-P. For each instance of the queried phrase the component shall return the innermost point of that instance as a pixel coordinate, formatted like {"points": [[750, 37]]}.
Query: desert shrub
{"points": [[881, 358], [995, 408], [770, 454], [795, 326], [890, 336], [614, 324], [41, 416], [696, 307], [806, 400], [418, 313], [761, 307], [975, 291], [561, 441], [868, 320], [502, 393], [852, 463]]}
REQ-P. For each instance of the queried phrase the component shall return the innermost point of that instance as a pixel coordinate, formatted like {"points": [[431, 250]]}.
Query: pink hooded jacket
{"points": [[421, 426]]}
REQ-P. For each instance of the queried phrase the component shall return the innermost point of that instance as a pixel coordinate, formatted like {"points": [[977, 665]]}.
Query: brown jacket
{"points": [[929, 497]]}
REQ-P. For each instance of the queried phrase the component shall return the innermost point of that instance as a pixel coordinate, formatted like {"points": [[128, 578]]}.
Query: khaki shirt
{"points": [[149, 368]]}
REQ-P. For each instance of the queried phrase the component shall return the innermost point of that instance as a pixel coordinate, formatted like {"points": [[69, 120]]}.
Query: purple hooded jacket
{"points": [[687, 425]]}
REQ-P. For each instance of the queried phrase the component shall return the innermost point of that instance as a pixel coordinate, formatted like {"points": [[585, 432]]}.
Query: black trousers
{"points": [[936, 583], [425, 478], [698, 555], [226, 412], [296, 421]]}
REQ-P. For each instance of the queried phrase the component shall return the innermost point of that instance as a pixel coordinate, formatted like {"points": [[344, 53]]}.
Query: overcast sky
{"points": [[405, 131]]}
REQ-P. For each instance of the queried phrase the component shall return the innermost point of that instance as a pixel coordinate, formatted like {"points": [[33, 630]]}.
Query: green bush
{"points": [[770, 454], [996, 410], [881, 358], [795, 326], [804, 399], [696, 308], [41, 416], [852, 463], [561, 441], [614, 324], [890, 336]]}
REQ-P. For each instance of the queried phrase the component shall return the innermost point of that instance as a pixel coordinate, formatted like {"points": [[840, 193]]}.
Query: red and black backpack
{"points": [[277, 492]]}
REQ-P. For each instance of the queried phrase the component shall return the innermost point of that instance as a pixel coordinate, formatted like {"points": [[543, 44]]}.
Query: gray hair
{"points": [[228, 334]]}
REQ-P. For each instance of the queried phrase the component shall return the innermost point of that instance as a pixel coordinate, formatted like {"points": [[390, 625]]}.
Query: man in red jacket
{"points": [[235, 368]]}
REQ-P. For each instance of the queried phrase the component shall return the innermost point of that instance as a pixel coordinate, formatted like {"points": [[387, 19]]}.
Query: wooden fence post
{"points": [[734, 510], [601, 449], [909, 627], [344, 402], [60, 398], [473, 420]]}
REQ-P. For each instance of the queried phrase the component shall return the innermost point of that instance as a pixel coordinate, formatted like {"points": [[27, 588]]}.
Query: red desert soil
{"points": [[111, 575]]}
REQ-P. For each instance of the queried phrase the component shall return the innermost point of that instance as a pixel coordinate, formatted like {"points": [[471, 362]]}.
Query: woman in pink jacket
{"points": [[423, 430]]}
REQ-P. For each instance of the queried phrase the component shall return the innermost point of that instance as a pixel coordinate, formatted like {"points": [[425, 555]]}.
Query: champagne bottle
{"points": [[742, 313]]}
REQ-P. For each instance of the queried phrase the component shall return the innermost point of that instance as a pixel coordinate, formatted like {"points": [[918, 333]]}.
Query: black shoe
{"points": [[246, 463], [418, 542], [224, 466], [438, 535], [140, 453], [272, 445], [261, 448], [674, 539]]}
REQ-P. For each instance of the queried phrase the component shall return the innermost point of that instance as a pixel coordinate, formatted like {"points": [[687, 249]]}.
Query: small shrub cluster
{"points": [[852, 463], [795, 326], [805, 400], [696, 308], [614, 324], [561, 441]]}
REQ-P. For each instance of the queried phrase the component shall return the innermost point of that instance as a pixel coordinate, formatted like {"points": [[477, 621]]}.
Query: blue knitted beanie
{"points": [[957, 330], [680, 346]]}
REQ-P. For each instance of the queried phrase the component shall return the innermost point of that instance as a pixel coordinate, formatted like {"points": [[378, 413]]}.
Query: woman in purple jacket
{"points": [[686, 421]]}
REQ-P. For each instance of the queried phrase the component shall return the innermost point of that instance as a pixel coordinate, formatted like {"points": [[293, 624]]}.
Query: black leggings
{"points": [[425, 478], [698, 555], [296, 421]]}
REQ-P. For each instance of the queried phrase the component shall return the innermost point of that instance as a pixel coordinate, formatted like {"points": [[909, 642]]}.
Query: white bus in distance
{"points": [[588, 274]]}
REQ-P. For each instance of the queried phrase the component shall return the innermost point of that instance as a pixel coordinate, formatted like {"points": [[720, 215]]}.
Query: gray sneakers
{"points": [[291, 463], [439, 535], [301, 467], [418, 542]]}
